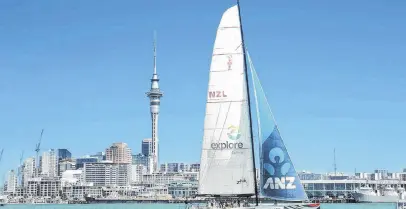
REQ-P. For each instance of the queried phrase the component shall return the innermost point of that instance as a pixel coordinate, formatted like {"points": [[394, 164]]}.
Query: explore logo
{"points": [[233, 134], [277, 169]]}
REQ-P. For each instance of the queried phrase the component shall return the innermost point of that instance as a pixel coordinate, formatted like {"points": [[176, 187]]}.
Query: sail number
{"points": [[280, 183], [217, 94]]}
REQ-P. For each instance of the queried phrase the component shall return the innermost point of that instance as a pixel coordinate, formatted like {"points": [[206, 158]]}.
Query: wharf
{"points": [[181, 201]]}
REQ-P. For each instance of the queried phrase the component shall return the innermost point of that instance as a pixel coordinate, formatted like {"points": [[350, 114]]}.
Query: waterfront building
{"points": [[167, 178], [64, 154], [107, 174], [309, 176], [119, 153], [146, 147], [79, 191], [154, 95], [80, 162], [11, 182], [49, 165], [44, 187], [155, 191], [183, 189], [333, 185]]}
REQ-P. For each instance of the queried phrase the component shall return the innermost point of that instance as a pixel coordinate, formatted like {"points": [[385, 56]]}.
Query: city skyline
{"points": [[84, 82]]}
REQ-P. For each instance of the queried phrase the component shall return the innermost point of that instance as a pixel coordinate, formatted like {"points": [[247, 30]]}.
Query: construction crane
{"points": [[37, 149], [1, 154], [21, 168], [21, 157]]}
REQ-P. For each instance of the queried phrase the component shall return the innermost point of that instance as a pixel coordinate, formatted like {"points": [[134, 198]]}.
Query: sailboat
{"points": [[228, 168]]}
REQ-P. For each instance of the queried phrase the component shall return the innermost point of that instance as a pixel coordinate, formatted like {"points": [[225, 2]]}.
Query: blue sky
{"points": [[334, 73]]}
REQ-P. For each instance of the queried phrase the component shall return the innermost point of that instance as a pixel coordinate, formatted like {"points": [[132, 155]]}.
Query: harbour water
{"points": [[182, 206]]}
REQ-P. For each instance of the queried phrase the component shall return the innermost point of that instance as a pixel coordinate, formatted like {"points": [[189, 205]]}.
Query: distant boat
{"points": [[228, 156], [384, 195]]}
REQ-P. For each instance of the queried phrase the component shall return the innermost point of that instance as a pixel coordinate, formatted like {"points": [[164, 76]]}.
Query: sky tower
{"points": [[154, 96]]}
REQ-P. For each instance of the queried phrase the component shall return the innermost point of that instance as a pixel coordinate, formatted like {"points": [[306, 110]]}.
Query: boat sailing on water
{"points": [[228, 156]]}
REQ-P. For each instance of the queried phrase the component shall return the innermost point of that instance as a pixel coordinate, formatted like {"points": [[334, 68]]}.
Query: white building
{"points": [[107, 174], [183, 189], [11, 182], [167, 178], [71, 177], [44, 187], [49, 165], [28, 170], [137, 171]]}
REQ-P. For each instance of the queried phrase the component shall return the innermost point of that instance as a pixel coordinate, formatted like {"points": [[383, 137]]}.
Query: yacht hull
{"points": [[365, 198]]}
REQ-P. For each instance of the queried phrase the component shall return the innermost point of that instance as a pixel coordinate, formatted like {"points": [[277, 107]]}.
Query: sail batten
{"points": [[226, 162]]}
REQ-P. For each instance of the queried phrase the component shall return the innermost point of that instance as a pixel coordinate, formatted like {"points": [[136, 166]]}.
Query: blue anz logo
{"points": [[277, 168]]}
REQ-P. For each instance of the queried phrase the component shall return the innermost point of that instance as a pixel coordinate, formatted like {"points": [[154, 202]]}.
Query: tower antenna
{"points": [[154, 52]]}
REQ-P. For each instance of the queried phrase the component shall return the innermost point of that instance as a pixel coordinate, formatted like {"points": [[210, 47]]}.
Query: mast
{"points": [[335, 164], [249, 105]]}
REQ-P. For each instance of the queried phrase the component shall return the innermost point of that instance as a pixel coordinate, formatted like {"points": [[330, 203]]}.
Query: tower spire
{"points": [[154, 52]]}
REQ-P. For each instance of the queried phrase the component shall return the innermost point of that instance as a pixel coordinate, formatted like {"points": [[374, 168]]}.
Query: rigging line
{"points": [[259, 141]]}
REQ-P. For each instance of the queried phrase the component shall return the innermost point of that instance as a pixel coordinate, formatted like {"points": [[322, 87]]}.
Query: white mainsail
{"points": [[226, 162]]}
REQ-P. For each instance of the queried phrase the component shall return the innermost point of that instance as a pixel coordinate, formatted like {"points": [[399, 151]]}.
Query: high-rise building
{"points": [[107, 174], [146, 147], [119, 153], [64, 154], [100, 156], [49, 165], [28, 170], [154, 96], [141, 159], [11, 182], [80, 162], [137, 171]]}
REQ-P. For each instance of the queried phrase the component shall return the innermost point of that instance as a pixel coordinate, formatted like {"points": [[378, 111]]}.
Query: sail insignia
{"points": [[279, 179]]}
